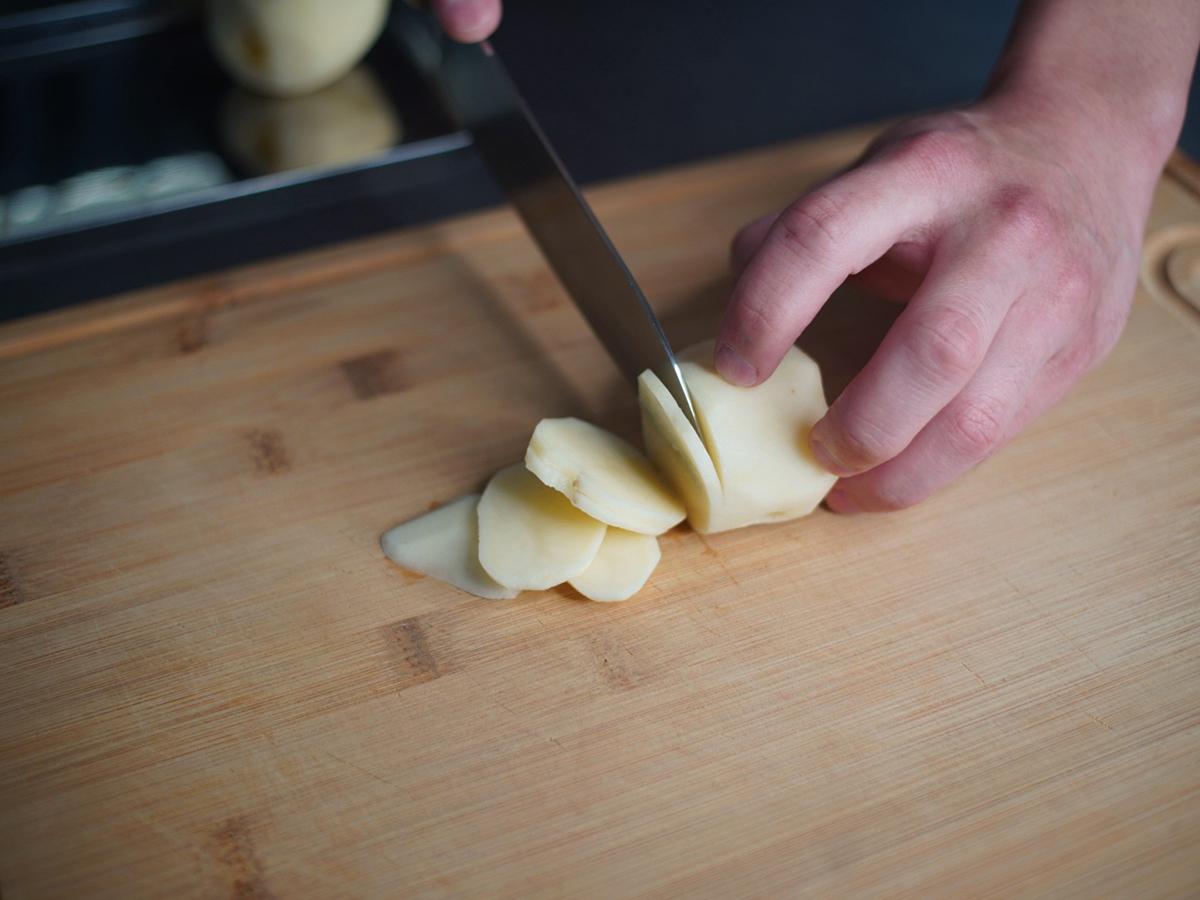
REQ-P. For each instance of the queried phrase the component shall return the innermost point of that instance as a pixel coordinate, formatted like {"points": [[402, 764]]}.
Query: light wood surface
{"points": [[213, 684]]}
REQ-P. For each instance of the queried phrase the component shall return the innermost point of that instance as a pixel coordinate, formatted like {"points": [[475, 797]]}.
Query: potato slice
{"points": [[677, 450], [602, 475], [621, 567], [530, 536], [758, 438], [444, 544]]}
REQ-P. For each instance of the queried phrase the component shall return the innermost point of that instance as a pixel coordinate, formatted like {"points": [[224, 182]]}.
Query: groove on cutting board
{"points": [[267, 451], [616, 664], [374, 374], [1154, 275], [410, 649], [235, 852]]}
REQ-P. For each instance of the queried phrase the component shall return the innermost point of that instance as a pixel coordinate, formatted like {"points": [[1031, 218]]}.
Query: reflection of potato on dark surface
{"points": [[347, 121], [285, 48]]}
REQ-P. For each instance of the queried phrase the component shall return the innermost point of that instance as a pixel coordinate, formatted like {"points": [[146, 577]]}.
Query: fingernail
{"points": [[470, 20], [841, 502], [817, 440], [734, 368]]}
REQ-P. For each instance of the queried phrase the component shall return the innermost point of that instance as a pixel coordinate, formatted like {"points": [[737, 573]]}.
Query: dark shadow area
{"points": [[845, 333], [842, 337]]}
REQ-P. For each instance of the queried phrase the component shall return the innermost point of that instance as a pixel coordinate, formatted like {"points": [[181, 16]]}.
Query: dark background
{"points": [[619, 87], [638, 86]]}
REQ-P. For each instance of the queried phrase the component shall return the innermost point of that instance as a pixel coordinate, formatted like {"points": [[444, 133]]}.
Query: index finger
{"points": [[813, 246]]}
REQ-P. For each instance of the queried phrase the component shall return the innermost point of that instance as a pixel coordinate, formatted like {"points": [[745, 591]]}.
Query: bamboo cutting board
{"points": [[213, 684]]}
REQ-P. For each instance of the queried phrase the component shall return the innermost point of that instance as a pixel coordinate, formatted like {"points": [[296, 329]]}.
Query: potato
{"points": [[586, 506], [340, 124], [675, 447], [621, 567], [530, 536], [603, 476], [445, 545], [756, 441], [285, 48], [758, 437]]}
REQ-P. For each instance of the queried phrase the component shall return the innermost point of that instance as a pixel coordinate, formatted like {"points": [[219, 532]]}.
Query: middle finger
{"points": [[926, 358]]}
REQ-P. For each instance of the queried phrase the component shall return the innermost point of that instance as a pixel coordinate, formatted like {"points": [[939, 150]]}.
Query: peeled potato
{"points": [[445, 545], [602, 475], [678, 451], [285, 48], [755, 442], [621, 567], [530, 536], [758, 437]]}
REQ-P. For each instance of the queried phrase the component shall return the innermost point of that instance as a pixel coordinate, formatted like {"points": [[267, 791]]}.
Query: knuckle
{"points": [[949, 341], [1071, 362], [977, 427], [863, 446], [815, 227], [1023, 216], [1074, 284], [941, 152], [1065, 304], [749, 317]]}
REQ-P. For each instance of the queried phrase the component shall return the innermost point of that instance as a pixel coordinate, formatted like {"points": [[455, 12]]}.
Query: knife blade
{"points": [[479, 93]]}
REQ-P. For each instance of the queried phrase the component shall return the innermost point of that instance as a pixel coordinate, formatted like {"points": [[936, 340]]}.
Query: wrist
{"points": [[1104, 81], [1139, 124], [1121, 138]]}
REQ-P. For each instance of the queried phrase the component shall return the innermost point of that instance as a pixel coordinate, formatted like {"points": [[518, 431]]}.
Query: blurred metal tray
{"points": [[116, 172]]}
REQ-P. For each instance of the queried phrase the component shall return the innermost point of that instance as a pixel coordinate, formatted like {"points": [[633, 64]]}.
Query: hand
{"points": [[1018, 272], [468, 21], [1012, 230]]}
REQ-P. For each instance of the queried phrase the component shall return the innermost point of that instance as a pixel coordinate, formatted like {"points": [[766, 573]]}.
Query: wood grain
{"points": [[214, 684]]}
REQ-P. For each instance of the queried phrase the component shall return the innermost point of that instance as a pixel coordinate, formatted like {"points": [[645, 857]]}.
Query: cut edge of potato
{"points": [[693, 355], [677, 449]]}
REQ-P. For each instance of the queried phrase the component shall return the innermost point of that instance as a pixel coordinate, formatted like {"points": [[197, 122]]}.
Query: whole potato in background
{"points": [[285, 48]]}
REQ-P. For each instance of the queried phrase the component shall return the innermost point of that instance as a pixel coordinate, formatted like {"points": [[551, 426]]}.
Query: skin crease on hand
{"points": [[1011, 230]]}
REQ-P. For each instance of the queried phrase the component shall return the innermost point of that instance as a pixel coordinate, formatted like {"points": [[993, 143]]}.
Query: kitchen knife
{"points": [[478, 92]]}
